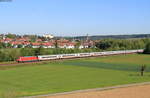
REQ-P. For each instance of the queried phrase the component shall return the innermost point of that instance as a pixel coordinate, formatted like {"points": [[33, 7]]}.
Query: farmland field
{"points": [[69, 75]]}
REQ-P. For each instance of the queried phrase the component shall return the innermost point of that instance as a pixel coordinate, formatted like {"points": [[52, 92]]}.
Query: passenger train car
{"points": [[76, 55]]}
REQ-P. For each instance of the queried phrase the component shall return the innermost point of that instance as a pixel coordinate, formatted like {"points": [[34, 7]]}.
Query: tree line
{"points": [[121, 44], [11, 54]]}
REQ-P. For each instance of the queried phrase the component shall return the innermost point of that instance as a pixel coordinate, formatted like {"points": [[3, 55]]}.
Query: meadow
{"points": [[68, 75]]}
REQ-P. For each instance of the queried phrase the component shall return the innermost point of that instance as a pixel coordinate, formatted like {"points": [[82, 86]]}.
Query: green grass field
{"points": [[69, 75]]}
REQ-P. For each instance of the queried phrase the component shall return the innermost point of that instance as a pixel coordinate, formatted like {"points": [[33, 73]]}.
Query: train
{"points": [[23, 59]]}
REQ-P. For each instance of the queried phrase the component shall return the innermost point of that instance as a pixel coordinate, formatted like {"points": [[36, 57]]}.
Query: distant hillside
{"points": [[98, 37]]}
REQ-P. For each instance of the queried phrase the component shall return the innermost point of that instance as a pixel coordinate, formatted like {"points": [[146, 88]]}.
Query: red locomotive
{"points": [[27, 59]]}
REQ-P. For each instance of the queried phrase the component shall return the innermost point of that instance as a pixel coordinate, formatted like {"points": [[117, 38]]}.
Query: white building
{"points": [[48, 36]]}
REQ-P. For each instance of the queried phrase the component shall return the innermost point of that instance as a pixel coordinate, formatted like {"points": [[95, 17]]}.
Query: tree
{"points": [[143, 67], [104, 45], [56, 43], [147, 48], [20, 46], [77, 45], [9, 45], [1, 45], [14, 54], [11, 36], [39, 51]]}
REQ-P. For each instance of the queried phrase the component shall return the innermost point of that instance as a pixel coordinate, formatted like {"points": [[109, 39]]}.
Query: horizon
{"points": [[76, 17], [81, 35]]}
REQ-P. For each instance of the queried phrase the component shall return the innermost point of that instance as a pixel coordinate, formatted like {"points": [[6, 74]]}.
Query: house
{"points": [[26, 43], [48, 45], [87, 45], [7, 40], [15, 44], [48, 36], [39, 40], [35, 45], [68, 45], [61, 45], [81, 46]]}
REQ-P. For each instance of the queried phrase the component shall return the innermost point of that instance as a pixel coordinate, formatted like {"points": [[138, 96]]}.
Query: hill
{"points": [[98, 37]]}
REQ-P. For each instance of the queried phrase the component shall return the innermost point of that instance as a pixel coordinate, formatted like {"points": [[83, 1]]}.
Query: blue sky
{"points": [[75, 17]]}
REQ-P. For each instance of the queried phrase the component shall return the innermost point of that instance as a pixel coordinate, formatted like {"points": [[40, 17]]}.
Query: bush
{"points": [[147, 48]]}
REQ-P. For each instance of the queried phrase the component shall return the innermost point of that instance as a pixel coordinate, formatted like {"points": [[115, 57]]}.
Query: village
{"points": [[44, 41]]}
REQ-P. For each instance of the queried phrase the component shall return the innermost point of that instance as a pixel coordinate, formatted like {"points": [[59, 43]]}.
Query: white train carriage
{"points": [[48, 57], [63, 56], [118, 52], [105, 53], [140, 51], [97, 54], [130, 51], [112, 53], [85, 54]]}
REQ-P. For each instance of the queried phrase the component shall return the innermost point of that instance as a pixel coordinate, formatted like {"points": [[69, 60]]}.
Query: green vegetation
{"points": [[69, 75], [11, 36], [98, 37], [122, 44], [147, 48], [11, 54]]}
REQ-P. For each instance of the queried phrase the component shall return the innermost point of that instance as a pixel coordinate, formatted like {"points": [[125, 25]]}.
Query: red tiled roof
{"points": [[38, 40], [63, 41], [26, 43], [23, 39], [16, 43], [36, 44], [61, 44], [70, 44], [48, 44], [66, 44]]}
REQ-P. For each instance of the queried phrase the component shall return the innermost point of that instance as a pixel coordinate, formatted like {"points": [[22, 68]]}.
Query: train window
{"points": [[50, 57], [68, 55], [84, 54]]}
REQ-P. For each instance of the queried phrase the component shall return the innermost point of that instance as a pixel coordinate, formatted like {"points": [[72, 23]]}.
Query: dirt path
{"points": [[129, 92]]}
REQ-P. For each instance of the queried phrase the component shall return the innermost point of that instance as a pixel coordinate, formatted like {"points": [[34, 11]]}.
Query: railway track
{"points": [[15, 63]]}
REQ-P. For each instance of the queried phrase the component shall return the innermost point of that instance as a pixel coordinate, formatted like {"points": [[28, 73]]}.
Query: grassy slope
{"points": [[73, 75]]}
